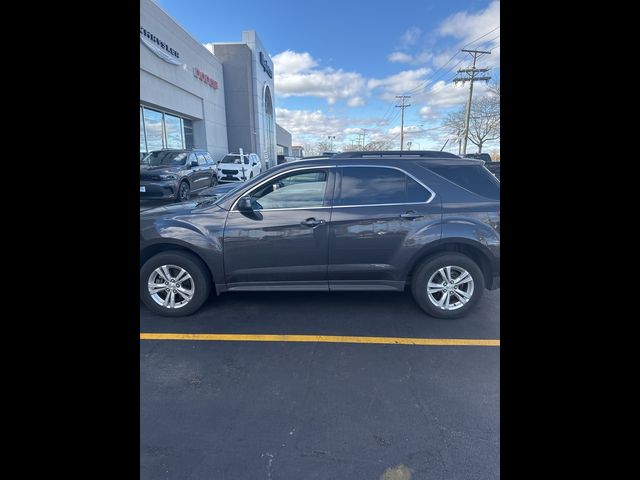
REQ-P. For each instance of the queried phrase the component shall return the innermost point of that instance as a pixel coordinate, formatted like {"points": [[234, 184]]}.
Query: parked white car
{"points": [[232, 169]]}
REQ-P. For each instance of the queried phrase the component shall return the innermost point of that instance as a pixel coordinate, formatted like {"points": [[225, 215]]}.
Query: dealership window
{"points": [[162, 130], [143, 140], [154, 129], [173, 131]]}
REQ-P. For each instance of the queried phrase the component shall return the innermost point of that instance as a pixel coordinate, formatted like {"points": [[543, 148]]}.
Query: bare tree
{"points": [[484, 124], [378, 145]]}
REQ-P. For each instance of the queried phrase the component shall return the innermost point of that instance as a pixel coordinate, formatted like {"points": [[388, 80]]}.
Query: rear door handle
{"points": [[311, 222], [411, 215]]}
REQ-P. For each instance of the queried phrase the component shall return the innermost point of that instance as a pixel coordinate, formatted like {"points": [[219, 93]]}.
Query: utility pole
{"points": [[402, 107], [364, 135], [471, 77]]}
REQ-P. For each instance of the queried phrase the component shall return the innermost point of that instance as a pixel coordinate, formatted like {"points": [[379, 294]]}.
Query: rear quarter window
{"points": [[474, 178]]}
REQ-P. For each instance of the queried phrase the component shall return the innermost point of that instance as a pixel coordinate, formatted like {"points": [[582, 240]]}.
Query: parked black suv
{"points": [[175, 174], [366, 221]]}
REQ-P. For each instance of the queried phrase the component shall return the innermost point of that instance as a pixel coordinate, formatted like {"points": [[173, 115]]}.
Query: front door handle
{"points": [[311, 222], [411, 215]]}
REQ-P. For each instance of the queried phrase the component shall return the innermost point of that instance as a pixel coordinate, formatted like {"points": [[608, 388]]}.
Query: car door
{"points": [[381, 217], [211, 165], [202, 173], [283, 243]]}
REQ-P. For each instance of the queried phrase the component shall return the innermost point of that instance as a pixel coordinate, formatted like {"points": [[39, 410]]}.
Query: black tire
{"points": [[184, 192], [214, 181], [193, 265], [431, 265]]}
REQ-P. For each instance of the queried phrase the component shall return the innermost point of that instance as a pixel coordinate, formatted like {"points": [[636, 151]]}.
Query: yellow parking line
{"points": [[220, 337]]}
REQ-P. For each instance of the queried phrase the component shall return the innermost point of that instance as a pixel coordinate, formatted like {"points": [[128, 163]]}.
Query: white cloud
{"points": [[288, 62], [446, 95], [399, 83], [411, 36], [308, 122], [425, 112], [407, 129], [468, 26], [400, 57], [355, 102], [295, 75]]}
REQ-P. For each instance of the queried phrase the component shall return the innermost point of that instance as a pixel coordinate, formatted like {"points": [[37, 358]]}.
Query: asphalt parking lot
{"points": [[287, 410]]}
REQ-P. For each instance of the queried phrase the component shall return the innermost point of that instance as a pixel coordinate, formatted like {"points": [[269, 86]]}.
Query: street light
{"points": [[331, 139]]}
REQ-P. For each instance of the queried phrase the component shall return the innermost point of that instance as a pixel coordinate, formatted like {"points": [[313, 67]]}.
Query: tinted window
{"points": [[416, 193], [474, 178], [298, 190], [165, 158], [201, 159], [208, 158], [371, 186]]}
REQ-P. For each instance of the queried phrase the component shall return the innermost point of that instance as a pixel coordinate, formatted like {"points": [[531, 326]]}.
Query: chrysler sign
{"points": [[159, 47]]}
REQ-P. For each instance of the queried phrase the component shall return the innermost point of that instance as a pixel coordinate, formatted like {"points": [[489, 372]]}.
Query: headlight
{"points": [[168, 177]]}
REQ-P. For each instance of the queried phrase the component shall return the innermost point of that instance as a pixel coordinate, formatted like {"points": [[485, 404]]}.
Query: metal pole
{"points": [[468, 114]]}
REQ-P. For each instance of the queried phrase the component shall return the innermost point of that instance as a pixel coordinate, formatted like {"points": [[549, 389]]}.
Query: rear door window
{"points": [[379, 186], [474, 178]]}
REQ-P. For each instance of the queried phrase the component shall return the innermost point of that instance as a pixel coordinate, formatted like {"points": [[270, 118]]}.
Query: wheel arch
{"points": [[477, 252], [151, 250]]}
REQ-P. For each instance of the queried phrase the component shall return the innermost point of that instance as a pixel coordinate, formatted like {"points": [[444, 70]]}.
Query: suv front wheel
{"points": [[174, 284], [447, 285]]}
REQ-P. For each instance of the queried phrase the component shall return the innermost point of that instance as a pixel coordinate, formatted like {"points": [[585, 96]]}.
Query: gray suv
{"points": [[175, 174], [378, 221]]}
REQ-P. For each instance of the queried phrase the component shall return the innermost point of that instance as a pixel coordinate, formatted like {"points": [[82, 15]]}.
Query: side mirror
{"points": [[193, 163], [244, 205]]}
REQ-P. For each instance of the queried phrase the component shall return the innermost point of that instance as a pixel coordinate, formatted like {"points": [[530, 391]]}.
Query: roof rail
{"points": [[397, 153]]}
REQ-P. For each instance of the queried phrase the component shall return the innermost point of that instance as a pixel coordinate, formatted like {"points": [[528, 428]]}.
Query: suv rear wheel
{"points": [[447, 285], [174, 284]]}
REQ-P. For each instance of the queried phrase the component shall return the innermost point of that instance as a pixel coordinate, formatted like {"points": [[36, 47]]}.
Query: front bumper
{"points": [[163, 189], [230, 176]]}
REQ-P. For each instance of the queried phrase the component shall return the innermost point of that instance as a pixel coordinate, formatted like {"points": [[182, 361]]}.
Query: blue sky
{"points": [[339, 64]]}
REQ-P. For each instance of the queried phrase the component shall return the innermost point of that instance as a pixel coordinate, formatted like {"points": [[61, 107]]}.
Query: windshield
{"points": [[234, 159], [164, 158]]}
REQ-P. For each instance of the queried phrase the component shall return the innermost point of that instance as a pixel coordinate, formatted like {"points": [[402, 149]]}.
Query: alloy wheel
{"points": [[450, 287], [171, 286]]}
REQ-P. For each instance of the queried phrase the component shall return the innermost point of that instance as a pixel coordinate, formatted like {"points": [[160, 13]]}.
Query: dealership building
{"points": [[217, 97]]}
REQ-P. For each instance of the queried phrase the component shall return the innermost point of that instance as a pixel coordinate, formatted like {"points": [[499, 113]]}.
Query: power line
{"points": [[454, 55], [482, 36]]}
